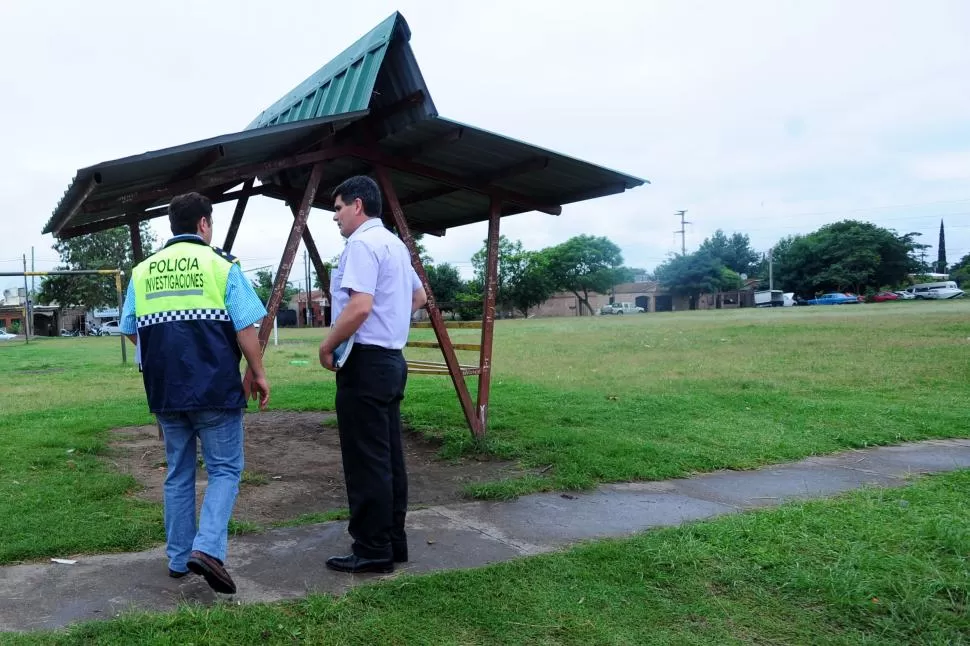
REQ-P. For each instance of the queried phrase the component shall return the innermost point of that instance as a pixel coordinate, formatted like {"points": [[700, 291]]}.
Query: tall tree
{"points": [[509, 264], [109, 249], [523, 281], [734, 252], [941, 252], [263, 286], [847, 255], [446, 284], [532, 284], [695, 273], [585, 264], [960, 272]]}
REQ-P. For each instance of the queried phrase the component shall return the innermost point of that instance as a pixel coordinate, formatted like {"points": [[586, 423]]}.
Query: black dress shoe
{"points": [[213, 571], [175, 574], [357, 565]]}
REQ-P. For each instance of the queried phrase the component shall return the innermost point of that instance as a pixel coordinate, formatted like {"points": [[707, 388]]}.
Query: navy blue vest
{"points": [[189, 351]]}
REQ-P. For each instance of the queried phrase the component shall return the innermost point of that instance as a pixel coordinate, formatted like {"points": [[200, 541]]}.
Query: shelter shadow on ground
{"points": [[293, 467]]}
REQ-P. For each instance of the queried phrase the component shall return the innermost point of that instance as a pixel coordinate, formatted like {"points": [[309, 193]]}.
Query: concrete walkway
{"points": [[289, 563]]}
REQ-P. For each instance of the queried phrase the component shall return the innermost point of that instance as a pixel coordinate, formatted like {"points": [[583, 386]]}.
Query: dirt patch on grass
{"points": [[293, 467]]}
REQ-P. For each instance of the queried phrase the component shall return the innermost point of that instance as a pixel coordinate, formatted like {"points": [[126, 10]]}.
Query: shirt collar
{"points": [[185, 237], [370, 224]]}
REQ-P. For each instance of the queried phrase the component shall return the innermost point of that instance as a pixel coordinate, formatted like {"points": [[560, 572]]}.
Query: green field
{"points": [[585, 399], [588, 400]]}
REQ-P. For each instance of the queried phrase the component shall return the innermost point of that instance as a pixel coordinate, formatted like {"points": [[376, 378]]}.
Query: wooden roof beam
{"points": [[202, 182], [521, 168], [418, 150]]}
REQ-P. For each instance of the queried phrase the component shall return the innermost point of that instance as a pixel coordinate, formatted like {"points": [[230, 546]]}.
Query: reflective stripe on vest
{"points": [[185, 280]]}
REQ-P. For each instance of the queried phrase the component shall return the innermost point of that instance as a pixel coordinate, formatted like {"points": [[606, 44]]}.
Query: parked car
{"points": [[111, 328], [882, 297], [6, 336], [620, 308], [904, 295], [834, 298]]}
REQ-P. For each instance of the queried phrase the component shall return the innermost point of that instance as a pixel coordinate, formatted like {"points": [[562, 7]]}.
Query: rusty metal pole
{"points": [[237, 214], [437, 322], [137, 255], [289, 253], [488, 312]]}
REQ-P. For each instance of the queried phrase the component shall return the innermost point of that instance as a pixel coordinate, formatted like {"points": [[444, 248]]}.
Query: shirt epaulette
{"points": [[225, 254]]}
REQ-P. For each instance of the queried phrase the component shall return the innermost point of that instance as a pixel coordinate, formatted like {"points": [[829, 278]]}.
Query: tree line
{"points": [[843, 256], [849, 255]]}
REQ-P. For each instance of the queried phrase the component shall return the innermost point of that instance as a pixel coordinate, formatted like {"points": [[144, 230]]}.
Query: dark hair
{"points": [[185, 211], [363, 187]]}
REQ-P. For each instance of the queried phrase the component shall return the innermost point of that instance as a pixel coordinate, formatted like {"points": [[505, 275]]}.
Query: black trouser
{"points": [[370, 387]]}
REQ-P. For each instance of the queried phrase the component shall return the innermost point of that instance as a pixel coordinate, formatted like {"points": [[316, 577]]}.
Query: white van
{"points": [[939, 291]]}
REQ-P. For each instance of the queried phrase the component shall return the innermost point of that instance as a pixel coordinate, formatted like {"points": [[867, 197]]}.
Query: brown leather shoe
{"points": [[212, 570]]}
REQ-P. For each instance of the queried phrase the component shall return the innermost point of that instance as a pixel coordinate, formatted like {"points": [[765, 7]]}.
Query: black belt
{"points": [[374, 348]]}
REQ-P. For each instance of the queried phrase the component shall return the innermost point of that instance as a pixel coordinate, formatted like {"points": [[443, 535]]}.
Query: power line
{"points": [[859, 210]]}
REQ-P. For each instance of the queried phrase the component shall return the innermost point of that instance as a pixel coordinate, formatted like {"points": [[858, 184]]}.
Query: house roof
{"points": [[443, 171]]}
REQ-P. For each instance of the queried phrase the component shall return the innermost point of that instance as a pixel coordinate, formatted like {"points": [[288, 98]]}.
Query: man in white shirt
{"points": [[374, 292]]}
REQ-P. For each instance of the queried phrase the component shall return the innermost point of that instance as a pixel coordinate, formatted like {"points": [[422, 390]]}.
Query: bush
{"points": [[470, 306]]}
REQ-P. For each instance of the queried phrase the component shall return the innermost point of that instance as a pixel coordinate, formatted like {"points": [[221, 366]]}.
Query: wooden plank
{"points": [[431, 370], [437, 364], [477, 325], [431, 344]]}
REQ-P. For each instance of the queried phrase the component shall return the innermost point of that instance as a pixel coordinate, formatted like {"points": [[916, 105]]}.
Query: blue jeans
{"points": [[221, 433]]}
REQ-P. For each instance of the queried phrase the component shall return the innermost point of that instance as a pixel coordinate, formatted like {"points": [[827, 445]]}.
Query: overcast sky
{"points": [[768, 117]]}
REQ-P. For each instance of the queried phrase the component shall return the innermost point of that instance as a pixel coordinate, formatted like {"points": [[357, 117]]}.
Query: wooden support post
{"points": [[289, 253], [238, 214], [322, 271], [488, 312], [437, 322], [137, 254]]}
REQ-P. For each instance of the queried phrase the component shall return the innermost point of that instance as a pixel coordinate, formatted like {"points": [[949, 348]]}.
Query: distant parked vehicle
{"points": [[904, 295], [835, 298], [769, 298], [620, 308], [6, 336], [111, 328], [943, 290], [882, 297]]}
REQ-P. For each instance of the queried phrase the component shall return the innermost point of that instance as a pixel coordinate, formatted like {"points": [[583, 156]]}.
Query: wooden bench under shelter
{"points": [[368, 111]]}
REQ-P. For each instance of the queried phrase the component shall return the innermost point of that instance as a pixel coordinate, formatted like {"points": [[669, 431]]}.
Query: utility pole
{"points": [[309, 299], [32, 285], [27, 313], [682, 232], [771, 274]]}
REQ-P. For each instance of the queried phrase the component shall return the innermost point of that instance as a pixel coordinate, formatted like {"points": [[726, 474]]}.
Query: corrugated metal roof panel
{"points": [[156, 168], [377, 70], [477, 155]]}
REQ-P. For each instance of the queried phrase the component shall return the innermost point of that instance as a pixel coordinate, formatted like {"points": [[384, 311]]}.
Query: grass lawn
{"points": [[873, 567], [587, 399]]}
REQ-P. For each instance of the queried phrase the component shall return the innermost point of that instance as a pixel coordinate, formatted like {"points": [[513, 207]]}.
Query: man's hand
{"points": [[256, 387], [326, 356]]}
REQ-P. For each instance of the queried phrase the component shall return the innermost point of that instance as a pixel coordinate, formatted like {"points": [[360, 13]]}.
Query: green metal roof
{"points": [[363, 76], [377, 79]]}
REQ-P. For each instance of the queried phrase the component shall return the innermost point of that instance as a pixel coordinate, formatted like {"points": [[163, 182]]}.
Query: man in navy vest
{"points": [[193, 312], [374, 292]]}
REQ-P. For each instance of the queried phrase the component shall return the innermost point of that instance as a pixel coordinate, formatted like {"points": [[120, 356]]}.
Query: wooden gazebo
{"points": [[368, 111]]}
